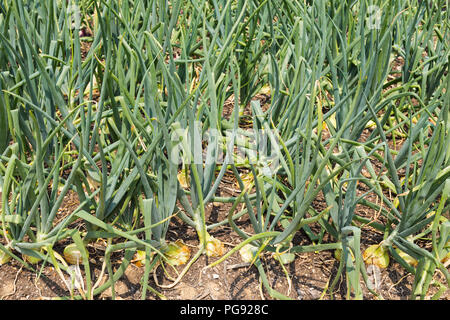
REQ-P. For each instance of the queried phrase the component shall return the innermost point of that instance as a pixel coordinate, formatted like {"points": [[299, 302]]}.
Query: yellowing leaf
{"points": [[93, 180], [446, 258], [247, 180], [332, 119], [265, 90], [139, 258], [183, 178], [441, 218], [396, 203]]}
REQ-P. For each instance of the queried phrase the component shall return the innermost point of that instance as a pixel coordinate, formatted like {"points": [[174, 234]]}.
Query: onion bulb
{"points": [[410, 260], [72, 254], [214, 247], [248, 252], [286, 257], [377, 255], [338, 253], [31, 259], [177, 253], [4, 258]]}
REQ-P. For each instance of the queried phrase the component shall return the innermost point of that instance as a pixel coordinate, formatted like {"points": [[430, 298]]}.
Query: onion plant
{"points": [[116, 102]]}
